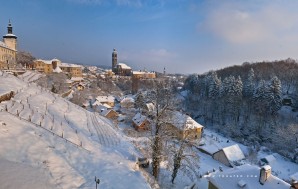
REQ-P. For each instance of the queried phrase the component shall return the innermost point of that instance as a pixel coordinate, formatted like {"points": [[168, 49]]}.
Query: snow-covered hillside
{"points": [[49, 142]]}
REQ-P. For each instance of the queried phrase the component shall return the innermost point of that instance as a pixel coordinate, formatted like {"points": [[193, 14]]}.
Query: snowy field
{"points": [[60, 144], [30, 76]]}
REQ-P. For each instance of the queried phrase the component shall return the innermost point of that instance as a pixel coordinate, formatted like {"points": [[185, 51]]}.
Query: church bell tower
{"points": [[114, 60], [10, 39]]}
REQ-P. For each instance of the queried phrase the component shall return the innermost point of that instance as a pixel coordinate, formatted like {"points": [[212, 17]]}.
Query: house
{"points": [[44, 66], [140, 122], [229, 155], [73, 69], [109, 100], [111, 114], [55, 65], [246, 177], [143, 75], [183, 126]]}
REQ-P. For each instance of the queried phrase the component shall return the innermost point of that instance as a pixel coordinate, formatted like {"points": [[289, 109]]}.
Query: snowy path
{"points": [[106, 135]]}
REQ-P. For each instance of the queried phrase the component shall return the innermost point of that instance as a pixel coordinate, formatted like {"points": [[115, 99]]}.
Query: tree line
{"points": [[245, 102]]}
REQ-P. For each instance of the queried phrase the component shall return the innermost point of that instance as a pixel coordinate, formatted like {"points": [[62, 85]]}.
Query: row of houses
{"points": [[55, 65], [177, 123]]}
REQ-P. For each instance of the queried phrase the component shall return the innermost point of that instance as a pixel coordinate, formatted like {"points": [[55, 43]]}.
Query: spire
{"points": [[9, 27]]}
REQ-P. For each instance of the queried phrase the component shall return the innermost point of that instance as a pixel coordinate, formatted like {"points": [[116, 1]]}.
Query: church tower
{"points": [[10, 39], [114, 60]]}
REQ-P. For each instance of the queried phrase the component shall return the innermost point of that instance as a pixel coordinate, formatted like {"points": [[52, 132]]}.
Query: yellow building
{"points": [[73, 69], [55, 65], [143, 75], [44, 66], [8, 49]]}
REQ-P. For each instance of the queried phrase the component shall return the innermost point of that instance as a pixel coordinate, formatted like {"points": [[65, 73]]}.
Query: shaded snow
{"points": [[65, 142]]}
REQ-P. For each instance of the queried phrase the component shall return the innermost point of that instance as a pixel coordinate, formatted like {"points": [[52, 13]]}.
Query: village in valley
{"points": [[115, 105], [69, 125]]}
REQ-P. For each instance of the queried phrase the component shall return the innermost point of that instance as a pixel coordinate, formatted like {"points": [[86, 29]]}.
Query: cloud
{"points": [[249, 24]]}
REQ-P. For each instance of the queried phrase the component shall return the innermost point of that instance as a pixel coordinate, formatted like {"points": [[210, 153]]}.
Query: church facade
{"points": [[8, 49]]}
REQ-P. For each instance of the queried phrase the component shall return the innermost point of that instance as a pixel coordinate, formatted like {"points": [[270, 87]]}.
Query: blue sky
{"points": [[185, 36]]}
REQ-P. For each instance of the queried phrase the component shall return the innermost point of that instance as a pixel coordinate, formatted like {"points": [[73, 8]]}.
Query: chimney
{"points": [[265, 173]]}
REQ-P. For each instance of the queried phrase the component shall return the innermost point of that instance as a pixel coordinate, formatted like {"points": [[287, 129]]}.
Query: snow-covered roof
{"points": [[123, 66], [77, 79], [142, 72], [183, 121], [150, 106], [69, 65], [105, 112], [233, 153], [103, 99], [96, 103], [294, 176], [45, 61], [56, 60], [48, 61], [210, 148], [127, 100], [57, 70], [247, 176], [2, 44], [138, 119], [9, 35]]}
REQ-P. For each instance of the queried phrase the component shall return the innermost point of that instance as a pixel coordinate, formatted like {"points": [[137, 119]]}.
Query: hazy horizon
{"points": [[184, 36]]}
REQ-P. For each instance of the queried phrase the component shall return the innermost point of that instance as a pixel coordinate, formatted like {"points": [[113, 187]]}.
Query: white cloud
{"points": [[245, 25]]}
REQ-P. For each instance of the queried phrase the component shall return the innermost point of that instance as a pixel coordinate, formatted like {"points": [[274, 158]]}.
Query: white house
{"points": [[229, 155], [246, 177]]}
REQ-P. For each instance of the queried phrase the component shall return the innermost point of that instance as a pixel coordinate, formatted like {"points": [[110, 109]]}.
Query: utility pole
{"points": [[97, 181]]}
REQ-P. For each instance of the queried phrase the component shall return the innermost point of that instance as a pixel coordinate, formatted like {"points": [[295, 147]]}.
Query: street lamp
{"points": [[97, 181]]}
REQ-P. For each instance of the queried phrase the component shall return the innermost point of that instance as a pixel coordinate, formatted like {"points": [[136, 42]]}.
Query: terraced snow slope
{"points": [[43, 133]]}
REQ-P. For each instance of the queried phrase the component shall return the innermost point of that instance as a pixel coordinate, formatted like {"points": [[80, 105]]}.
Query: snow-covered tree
{"points": [[140, 101], [213, 85], [275, 95], [249, 86], [162, 98], [260, 98]]}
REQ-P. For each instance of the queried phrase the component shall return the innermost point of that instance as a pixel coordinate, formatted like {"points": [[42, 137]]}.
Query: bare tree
{"points": [[25, 58]]}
